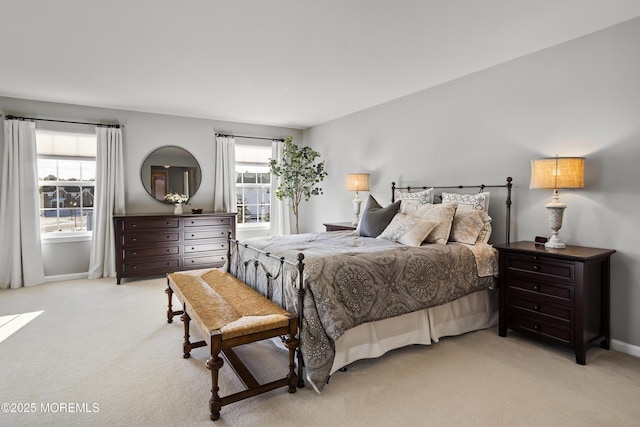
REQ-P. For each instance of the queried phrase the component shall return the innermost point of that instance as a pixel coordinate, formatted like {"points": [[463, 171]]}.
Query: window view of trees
{"points": [[253, 184], [66, 181]]}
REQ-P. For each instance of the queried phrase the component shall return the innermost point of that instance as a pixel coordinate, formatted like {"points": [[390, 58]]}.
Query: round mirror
{"points": [[170, 169]]}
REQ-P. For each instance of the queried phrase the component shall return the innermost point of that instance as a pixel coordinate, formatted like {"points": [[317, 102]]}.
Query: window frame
{"points": [[66, 236], [240, 186]]}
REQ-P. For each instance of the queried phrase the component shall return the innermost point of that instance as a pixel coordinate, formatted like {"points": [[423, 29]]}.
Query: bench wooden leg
{"points": [[186, 345], [170, 312], [292, 344], [214, 363]]}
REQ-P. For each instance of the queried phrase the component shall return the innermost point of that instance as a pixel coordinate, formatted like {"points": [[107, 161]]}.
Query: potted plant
{"points": [[299, 175]]}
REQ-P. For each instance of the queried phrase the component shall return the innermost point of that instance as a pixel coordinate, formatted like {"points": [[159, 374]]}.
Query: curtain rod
{"points": [[10, 117], [249, 137]]}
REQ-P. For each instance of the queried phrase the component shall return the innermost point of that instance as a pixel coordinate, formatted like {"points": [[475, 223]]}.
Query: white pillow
{"points": [[441, 214], [417, 198], [470, 203], [408, 230]]}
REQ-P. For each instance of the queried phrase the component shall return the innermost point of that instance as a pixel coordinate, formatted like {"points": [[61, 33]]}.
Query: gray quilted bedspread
{"points": [[351, 280]]}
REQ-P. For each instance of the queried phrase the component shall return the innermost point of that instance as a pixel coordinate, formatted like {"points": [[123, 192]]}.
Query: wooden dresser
{"points": [[152, 244], [561, 295]]}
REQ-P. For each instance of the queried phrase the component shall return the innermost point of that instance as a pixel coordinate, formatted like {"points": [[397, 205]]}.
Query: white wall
{"points": [[581, 98], [143, 133]]}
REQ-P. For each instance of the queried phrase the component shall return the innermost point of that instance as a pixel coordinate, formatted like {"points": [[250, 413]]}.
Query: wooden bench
{"points": [[229, 313]]}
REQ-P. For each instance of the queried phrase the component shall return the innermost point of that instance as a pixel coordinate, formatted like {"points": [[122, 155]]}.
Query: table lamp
{"points": [[357, 182], [555, 173]]}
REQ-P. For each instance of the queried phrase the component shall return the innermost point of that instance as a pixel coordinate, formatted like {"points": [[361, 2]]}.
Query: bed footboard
{"points": [[240, 268]]}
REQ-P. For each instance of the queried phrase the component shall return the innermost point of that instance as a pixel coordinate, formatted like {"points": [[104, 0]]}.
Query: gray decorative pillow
{"points": [[375, 218]]}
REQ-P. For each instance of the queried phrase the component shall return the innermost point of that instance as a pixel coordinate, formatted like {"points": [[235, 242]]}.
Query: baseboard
{"points": [[62, 277], [624, 347]]}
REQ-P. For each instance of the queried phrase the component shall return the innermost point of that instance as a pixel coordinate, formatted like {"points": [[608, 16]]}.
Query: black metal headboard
{"points": [[480, 188]]}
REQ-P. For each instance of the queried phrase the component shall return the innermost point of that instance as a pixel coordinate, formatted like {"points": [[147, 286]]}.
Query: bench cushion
{"points": [[218, 301]]}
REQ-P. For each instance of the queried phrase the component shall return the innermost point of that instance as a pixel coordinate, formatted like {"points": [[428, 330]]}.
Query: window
{"points": [[253, 184], [66, 179]]}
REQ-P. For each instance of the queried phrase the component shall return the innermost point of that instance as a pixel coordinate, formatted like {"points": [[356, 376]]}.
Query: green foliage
{"points": [[299, 175]]}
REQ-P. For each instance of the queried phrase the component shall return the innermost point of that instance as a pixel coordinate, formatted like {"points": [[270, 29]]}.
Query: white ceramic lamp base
{"points": [[556, 210], [356, 209]]}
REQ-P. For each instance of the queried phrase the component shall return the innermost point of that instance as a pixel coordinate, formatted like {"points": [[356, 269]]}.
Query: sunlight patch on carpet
{"points": [[12, 323]]}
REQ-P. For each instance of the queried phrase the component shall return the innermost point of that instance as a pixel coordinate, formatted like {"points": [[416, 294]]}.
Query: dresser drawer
{"points": [[541, 328], [222, 233], [141, 238], [207, 221], [220, 246], [528, 286], [558, 312], [144, 224], [164, 265], [543, 266], [209, 260], [146, 252]]}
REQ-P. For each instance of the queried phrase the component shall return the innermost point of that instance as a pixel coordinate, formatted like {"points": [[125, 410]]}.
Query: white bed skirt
{"points": [[470, 313]]}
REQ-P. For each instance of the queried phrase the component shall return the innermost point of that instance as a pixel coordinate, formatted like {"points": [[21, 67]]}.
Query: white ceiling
{"points": [[293, 63]]}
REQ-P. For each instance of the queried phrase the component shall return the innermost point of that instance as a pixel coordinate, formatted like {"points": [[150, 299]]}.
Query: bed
{"points": [[413, 272]]}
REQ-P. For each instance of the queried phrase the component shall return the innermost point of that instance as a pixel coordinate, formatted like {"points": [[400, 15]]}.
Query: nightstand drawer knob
{"points": [[536, 267], [536, 287], [536, 307], [536, 327]]}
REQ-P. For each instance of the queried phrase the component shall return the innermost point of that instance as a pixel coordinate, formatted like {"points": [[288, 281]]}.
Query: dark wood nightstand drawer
{"points": [[554, 291], [543, 329], [543, 266], [558, 312]]}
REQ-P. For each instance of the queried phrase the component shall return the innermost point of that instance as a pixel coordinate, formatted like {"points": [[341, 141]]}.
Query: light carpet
{"points": [[107, 352]]}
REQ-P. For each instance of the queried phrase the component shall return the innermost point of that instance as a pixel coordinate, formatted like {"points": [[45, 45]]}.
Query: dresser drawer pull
{"points": [[133, 225], [536, 287], [134, 239], [536, 307], [193, 235], [536, 327], [536, 267], [134, 267], [192, 248], [134, 253], [168, 250]]}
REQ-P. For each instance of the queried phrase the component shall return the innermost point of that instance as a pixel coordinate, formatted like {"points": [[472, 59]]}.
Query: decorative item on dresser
{"points": [[561, 295], [152, 244], [338, 226]]}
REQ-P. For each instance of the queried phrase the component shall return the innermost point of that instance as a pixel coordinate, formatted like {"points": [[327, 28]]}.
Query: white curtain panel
{"points": [[20, 250], [224, 189], [108, 200], [280, 211]]}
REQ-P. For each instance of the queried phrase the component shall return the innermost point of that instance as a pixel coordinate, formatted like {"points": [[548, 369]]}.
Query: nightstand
{"points": [[338, 226], [560, 295]]}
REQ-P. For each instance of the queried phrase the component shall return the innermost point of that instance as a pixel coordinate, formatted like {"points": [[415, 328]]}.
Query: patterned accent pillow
{"points": [[425, 196], [375, 218], [408, 230], [466, 226], [442, 214], [472, 202], [479, 201]]}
